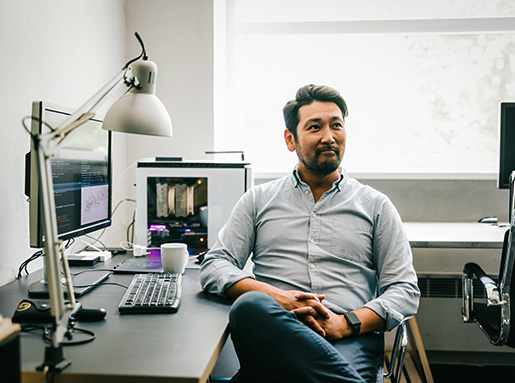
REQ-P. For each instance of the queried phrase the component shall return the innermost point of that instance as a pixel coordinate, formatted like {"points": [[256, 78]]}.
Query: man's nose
{"points": [[327, 135]]}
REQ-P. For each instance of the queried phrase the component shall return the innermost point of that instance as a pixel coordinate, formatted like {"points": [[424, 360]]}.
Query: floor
{"points": [[460, 374], [473, 374]]}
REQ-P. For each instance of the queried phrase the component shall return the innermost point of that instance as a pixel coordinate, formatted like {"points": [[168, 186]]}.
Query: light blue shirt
{"points": [[350, 246]]}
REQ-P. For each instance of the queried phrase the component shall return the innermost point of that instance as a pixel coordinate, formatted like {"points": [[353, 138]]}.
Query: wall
{"points": [[179, 38], [445, 200], [58, 51], [62, 52]]}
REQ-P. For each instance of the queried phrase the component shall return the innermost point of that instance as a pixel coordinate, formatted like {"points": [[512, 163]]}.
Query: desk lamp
{"points": [[137, 111]]}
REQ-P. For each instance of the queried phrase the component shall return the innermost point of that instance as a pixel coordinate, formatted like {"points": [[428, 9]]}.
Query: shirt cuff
{"points": [[393, 318]]}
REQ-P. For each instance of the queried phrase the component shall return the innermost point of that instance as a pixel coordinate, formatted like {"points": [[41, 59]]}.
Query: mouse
{"points": [[90, 315]]}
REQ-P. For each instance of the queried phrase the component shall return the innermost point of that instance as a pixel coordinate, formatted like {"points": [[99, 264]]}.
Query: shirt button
{"points": [[312, 240], [314, 215], [313, 265], [306, 192]]}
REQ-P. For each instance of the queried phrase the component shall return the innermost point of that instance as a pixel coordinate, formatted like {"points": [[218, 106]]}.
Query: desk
{"points": [[457, 235], [443, 248], [181, 347], [440, 250]]}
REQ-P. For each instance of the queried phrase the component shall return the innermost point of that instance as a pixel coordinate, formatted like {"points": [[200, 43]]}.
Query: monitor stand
{"points": [[82, 283]]}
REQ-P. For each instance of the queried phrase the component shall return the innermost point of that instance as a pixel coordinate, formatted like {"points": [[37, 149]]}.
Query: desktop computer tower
{"points": [[186, 201]]}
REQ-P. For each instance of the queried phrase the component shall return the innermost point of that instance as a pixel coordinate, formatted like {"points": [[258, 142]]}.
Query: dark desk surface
{"points": [[181, 347]]}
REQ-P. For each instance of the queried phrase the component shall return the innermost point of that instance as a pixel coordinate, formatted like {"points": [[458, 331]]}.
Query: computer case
{"points": [[186, 201]]}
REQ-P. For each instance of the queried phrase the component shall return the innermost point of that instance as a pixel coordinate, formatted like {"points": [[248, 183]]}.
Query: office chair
{"points": [[394, 365], [494, 315]]}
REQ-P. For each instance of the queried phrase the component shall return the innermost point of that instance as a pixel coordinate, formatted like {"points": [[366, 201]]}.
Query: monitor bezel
{"points": [[35, 217]]}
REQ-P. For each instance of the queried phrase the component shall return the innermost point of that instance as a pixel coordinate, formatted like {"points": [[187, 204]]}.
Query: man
{"points": [[332, 264]]}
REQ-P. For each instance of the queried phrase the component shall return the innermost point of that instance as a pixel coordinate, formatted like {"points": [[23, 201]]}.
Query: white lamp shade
{"points": [[140, 111]]}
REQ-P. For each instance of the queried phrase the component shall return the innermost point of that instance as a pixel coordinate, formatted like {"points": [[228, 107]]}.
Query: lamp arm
{"points": [[45, 146], [85, 112]]}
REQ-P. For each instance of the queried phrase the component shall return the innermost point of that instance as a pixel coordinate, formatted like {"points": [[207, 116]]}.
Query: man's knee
{"points": [[249, 306]]}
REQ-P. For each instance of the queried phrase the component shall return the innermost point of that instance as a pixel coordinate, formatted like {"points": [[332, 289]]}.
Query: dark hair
{"points": [[305, 96]]}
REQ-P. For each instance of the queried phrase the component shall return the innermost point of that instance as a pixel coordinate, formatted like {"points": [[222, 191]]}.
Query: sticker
{"points": [[23, 306]]}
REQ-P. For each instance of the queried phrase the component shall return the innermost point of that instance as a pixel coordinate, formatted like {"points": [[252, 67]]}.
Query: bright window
{"points": [[423, 80]]}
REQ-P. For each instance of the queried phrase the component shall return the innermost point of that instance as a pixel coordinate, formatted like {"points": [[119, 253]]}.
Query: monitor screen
{"points": [[81, 174], [507, 144]]}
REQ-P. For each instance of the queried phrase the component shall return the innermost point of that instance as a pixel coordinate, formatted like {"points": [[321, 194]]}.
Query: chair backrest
{"points": [[506, 281], [507, 275]]}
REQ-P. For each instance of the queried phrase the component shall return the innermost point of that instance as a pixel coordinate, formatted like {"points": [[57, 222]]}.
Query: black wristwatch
{"points": [[354, 322]]}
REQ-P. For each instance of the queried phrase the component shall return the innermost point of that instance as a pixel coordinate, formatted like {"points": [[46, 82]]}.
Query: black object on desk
{"points": [[139, 266], [82, 283]]}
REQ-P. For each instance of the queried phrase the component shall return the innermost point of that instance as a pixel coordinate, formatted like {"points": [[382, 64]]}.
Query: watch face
{"points": [[354, 322], [352, 319]]}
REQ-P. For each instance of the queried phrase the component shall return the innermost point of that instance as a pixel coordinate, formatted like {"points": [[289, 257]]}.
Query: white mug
{"points": [[174, 257]]}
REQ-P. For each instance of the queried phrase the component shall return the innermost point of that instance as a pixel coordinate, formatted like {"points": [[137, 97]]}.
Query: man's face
{"points": [[321, 137]]}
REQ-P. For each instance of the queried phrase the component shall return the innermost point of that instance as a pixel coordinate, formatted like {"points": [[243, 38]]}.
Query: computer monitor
{"points": [[81, 173], [507, 144]]}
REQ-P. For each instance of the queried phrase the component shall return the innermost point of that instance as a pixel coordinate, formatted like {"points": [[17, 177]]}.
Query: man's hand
{"points": [[292, 299], [331, 326], [288, 299], [310, 310], [334, 326], [306, 306]]}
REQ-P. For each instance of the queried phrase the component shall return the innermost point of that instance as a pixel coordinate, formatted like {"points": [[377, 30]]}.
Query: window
{"points": [[423, 80]]}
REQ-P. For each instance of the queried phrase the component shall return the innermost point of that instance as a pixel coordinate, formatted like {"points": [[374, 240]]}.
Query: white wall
{"points": [[179, 38], [59, 51], [62, 52]]}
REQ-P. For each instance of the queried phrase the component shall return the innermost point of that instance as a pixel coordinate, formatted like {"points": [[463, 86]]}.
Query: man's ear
{"points": [[290, 140]]}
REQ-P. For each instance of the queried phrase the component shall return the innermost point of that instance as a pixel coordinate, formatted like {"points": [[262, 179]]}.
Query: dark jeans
{"points": [[274, 346]]}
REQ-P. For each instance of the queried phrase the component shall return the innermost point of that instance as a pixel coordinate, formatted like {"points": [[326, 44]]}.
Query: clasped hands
{"points": [[310, 310]]}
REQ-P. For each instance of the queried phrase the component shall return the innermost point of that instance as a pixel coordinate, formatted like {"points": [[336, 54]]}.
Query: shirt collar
{"points": [[297, 181]]}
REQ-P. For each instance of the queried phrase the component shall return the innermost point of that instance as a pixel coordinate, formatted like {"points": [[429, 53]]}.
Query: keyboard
{"points": [[152, 293]]}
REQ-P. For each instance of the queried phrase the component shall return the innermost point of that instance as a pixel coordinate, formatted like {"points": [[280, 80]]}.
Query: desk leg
{"points": [[418, 352]]}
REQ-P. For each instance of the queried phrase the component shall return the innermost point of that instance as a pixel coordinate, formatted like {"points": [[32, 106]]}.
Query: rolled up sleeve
{"points": [[398, 292]]}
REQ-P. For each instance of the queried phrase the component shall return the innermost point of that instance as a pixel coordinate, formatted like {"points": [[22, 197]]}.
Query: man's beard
{"points": [[323, 167]]}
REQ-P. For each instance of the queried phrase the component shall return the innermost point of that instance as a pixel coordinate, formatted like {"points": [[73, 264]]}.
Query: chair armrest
{"points": [[398, 352], [492, 292]]}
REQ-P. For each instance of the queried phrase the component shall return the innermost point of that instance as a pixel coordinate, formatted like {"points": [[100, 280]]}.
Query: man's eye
{"points": [[313, 127]]}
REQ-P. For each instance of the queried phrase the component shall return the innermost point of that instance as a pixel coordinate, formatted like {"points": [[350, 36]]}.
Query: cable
{"points": [[95, 240], [88, 271], [25, 264], [130, 238], [116, 284], [35, 119], [29, 328], [68, 243]]}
